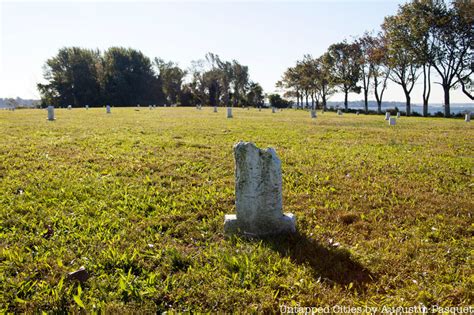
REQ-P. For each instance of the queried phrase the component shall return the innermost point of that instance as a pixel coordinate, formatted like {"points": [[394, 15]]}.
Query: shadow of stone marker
{"points": [[258, 194]]}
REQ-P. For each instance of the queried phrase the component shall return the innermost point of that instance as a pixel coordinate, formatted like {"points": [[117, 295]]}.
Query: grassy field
{"points": [[138, 198]]}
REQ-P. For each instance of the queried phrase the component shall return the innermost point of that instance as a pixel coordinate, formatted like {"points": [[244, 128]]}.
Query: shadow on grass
{"points": [[328, 263]]}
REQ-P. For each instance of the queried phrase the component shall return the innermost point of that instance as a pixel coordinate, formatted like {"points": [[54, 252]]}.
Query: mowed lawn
{"points": [[384, 213]]}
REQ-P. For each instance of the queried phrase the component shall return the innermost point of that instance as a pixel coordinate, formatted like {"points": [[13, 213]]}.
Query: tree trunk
{"points": [[447, 109], [346, 106], [307, 104], [312, 101], [377, 97], [407, 95], [426, 88], [366, 100]]}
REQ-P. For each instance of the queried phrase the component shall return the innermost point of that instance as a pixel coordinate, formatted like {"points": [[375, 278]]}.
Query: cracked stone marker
{"points": [[258, 194]]}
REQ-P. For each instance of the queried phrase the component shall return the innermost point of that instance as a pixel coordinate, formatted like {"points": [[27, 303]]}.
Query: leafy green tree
{"points": [[365, 43], [377, 55], [171, 77], [255, 95], [403, 61], [345, 68], [128, 78], [73, 78], [451, 38], [277, 101]]}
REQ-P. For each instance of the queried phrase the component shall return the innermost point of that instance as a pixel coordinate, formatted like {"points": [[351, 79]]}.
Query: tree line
{"points": [[124, 76], [424, 35]]}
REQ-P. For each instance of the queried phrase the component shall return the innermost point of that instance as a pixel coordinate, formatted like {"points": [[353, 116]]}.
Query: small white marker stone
{"points": [[357, 113], [398, 114], [69, 107], [467, 117], [273, 110], [387, 116], [392, 121], [51, 112], [107, 109], [87, 106]]}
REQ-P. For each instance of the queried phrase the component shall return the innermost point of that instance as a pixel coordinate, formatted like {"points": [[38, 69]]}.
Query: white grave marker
{"points": [[69, 107], [467, 118], [51, 112], [339, 112], [387, 115], [392, 121], [398, 114], [258, 194], [107, 109]]}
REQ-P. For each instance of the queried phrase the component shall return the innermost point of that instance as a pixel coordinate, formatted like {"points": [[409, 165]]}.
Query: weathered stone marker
{"points": [[339, 112], [467, 118], [258, 194], [229, 112], [215, 109], [107, 109], [357, 113], [392, 121], [150, 107], [313, 113], [51, 112], [387, 115], [273, 110], [87, 107], [398, 114], [69, 107]]}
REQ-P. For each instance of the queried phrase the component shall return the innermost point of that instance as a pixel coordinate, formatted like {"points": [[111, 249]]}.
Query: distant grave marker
{"points": [[392, 121], [357, 113], [69, 107], [51, 113], [273, 110], [467, 118], [258, 194], [398, 114], [313, 113], [215, 109], [107, 109], [339, 112], [387, 115], [229, 112], [87, 107]]}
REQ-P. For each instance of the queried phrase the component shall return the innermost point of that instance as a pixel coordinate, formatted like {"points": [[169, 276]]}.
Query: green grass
{"points": [[384, 214]]}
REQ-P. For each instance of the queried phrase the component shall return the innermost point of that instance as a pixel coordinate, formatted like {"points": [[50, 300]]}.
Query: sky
{"points": [[267, 36]]}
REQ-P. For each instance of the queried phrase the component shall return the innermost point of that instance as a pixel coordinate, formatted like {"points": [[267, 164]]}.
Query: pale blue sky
{"points": [[268, 36]]}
